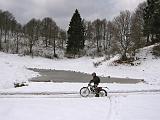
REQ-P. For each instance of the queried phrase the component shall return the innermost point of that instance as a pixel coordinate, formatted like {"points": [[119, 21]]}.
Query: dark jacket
{"points": [[95, 80]]}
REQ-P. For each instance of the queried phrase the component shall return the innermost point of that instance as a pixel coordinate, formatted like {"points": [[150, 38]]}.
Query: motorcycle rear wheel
{"points": [[102, 93]]}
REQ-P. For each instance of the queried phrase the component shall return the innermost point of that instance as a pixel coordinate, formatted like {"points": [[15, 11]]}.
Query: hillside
{"points": [[14, 67]]}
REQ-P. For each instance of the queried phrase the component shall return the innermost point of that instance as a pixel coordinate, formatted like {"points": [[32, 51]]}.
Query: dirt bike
{"points": [[90, 89]]}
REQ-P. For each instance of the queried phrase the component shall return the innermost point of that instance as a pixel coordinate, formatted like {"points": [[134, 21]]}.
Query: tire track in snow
{"points": [[73, 94], [114, 108]]}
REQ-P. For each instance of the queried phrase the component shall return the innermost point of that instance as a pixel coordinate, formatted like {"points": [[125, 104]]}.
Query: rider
{"points": [[96, 81]]}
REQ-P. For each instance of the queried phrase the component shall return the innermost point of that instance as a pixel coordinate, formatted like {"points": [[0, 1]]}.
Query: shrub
{"points": [[156, 51], [20, 84]]}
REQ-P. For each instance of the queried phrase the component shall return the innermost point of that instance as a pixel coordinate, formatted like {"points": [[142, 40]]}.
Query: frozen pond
{"points": [[71, 76]]}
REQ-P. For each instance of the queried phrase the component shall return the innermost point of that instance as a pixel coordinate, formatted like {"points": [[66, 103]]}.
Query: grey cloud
{"points": [[62, 10]]}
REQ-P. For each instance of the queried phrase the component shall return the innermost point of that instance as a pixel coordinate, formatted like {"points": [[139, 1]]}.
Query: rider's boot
{"points": [[97, 95]]}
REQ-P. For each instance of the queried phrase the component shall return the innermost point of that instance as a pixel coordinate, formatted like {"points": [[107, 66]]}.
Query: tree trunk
{"points": [[124, 57], [30, 48], [54, 47], [46, 41], [17, 46], [31, 45], [5, 36], [97, 46], [147, 42], [7, 45], [62, 43], [1, 40]]}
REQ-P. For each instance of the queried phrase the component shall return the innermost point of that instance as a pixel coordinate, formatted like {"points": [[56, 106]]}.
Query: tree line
{"points": [[36, 37], [123, 35]]}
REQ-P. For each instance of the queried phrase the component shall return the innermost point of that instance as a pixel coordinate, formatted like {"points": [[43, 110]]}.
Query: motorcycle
{"points": [[90, 89]]}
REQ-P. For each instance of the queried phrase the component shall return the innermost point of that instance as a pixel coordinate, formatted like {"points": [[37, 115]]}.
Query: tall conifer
{"points": [[75, 32]]}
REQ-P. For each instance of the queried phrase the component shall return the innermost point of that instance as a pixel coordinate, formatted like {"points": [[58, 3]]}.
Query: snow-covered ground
{"points": [[13, 67], [116, 106], [41, 87], [131, 105]]}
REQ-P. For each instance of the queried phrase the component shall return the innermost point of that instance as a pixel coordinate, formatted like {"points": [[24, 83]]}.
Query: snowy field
{"points": [[124, 101], [133, 107]]}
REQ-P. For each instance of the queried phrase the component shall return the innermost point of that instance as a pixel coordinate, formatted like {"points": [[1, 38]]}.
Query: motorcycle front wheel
{"points": [[84, 92]]}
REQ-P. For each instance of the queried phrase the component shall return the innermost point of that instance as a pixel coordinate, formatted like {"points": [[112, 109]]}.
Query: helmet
{"points": [[94, 74]]}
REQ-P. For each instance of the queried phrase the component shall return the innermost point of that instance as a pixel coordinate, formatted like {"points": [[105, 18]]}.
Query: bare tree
{"points": [[18, 34], [7, 17], [31, 31], [89, 31], [122, 28], [109, 39], [137, 26], [62, 38], [55, 37], [104, 33], [98, 33], [47, 30], [1, 28]]}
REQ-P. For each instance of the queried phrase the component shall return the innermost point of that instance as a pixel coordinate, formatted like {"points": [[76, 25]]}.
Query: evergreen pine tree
{"points": [[152, 20], [156, 21], [75, 32]]}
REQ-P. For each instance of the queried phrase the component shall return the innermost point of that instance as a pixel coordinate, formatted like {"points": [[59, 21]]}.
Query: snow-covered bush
{"points": [[20, 84]]}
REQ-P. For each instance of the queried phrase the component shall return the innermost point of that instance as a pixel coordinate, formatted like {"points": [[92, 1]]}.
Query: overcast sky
{"points": [[62, 10]]}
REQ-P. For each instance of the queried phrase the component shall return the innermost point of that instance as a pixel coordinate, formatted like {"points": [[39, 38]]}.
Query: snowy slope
{"points": [[13, 67], [12, 72]]}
